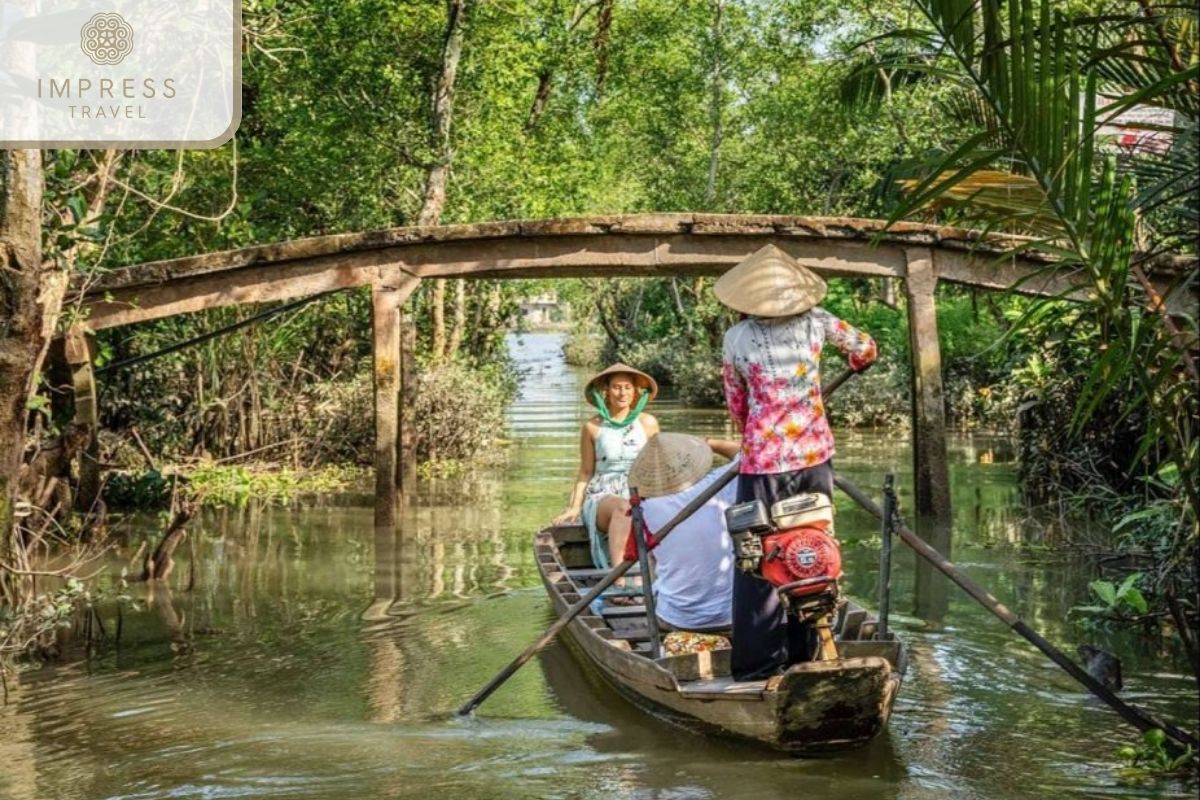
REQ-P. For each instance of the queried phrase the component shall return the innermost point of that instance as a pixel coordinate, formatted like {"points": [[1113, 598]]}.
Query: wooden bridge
{"points": [[393, 262]]}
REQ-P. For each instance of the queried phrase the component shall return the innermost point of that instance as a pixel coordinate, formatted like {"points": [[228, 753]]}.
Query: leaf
{"points": [[1105, 591], [1169, 475], [1136, 516], [77, 206], [1135, 600], [1091, 609]]}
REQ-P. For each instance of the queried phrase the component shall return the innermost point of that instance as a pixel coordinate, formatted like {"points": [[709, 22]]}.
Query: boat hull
{"points": [[813, 707]]}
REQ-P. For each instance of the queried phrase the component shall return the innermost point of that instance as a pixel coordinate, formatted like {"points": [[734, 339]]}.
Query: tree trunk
{"points": [[30, 298], [540, 97], [439, 172], [437, 303], [460, 318], [609, 328], [715, 109], [600, 44], [558, 46]]}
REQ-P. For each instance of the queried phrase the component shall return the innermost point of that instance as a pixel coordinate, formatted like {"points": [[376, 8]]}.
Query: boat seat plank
{"points": [[851, 623], [571, 534], [592, 575], [722, 689], [629, 625], [624, 611]]}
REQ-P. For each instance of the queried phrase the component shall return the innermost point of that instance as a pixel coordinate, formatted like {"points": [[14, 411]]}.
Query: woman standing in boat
{"points": [[771, 365], [608, 444]]}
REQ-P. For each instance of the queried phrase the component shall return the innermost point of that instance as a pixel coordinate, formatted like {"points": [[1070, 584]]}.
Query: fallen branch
{"points": [[159, 565]]}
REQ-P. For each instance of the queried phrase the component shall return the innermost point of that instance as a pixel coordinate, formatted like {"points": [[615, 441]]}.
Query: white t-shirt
{"points": [[693, 580]]}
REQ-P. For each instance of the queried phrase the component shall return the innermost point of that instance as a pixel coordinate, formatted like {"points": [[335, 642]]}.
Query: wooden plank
{"points": [[852, 620], [723, 689], [654, 244], [341, 247], [630, 627], [592, 573], [261, 284], [705, 665], [624, 611], [571, 534]]}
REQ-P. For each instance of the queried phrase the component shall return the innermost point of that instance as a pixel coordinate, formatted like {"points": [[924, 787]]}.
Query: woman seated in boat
{"points": [[771, 365], [608, 444]]}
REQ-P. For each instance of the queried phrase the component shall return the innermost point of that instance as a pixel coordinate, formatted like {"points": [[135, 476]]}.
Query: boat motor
{"points": [[792, 547]]}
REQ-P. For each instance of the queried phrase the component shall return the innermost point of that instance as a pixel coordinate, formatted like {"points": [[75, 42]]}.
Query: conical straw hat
{"points": [[640, 380], [669, 463], [770, 283]]}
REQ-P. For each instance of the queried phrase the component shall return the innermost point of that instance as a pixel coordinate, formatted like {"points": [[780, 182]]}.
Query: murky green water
{"points": [[314, 659]]}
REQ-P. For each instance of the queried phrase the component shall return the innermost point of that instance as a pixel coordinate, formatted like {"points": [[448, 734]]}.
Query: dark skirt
{"points": [[765, 637]]}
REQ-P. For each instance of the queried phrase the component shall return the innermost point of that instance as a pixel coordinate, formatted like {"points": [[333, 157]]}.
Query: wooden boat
{"points": [[813, 707]]}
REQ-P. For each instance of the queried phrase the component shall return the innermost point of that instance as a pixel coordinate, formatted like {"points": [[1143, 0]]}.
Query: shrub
{"points": [[877, 398], [583, 348], [334, 422], [459, 411]]}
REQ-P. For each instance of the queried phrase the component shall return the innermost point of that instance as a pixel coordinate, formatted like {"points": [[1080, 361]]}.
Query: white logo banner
{"points": [[119, 73]]}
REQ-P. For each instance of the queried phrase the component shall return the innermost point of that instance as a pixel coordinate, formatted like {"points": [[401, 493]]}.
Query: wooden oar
{"points": [[1139, 718], [615, 574]]}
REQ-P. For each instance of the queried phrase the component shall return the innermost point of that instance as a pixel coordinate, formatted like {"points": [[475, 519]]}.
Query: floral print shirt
{"points": [[772, 376]]}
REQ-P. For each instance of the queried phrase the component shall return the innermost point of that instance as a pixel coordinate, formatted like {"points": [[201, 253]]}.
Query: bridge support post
{"points": [[407, 470], [931, 476], [87, 412], [386, 302]]}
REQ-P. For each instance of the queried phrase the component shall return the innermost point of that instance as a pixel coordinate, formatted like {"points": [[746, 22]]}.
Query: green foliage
{"points": [[1152, 758], [138, 490], [459, 413], [1033, 84], [1116, 601], [584, 347], [683, 350], [36, 622], [1046, 79], [238, 485]]}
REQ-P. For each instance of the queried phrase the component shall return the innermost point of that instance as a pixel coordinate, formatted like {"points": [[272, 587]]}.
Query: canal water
{"points": [[311, 658]]}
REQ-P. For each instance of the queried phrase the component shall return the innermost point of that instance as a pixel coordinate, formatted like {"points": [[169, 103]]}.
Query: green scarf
{"points": [[602, 407]]}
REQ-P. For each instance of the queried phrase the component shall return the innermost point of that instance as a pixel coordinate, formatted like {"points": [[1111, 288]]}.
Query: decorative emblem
{"points": [[106, 38]]}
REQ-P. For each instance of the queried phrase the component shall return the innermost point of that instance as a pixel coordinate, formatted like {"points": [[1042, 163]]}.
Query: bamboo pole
{"points": [[1138, 717]]}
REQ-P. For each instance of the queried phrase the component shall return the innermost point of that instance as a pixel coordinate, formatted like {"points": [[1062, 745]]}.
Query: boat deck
{"points": [[564, 558]]}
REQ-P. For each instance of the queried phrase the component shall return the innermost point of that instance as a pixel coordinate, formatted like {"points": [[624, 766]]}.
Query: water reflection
{"points": [[317, 657]]}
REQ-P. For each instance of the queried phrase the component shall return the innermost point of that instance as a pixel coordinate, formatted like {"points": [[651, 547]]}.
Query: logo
{"points": [[145, 73], [106, 39], [807, 557]]}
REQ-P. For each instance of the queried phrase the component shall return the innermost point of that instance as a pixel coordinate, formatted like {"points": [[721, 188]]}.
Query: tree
{"points": [[442, 115], [1037, 85], [31, 294]]}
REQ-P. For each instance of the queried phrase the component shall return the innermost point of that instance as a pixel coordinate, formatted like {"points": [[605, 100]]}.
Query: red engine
{"points": [[805, 560]]}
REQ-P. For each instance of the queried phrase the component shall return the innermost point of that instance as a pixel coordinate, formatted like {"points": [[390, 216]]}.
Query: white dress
{"points": [[615, 448]]}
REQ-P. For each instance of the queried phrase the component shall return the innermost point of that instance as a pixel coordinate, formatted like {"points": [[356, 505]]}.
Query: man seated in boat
{"points": [[693, 567]]}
